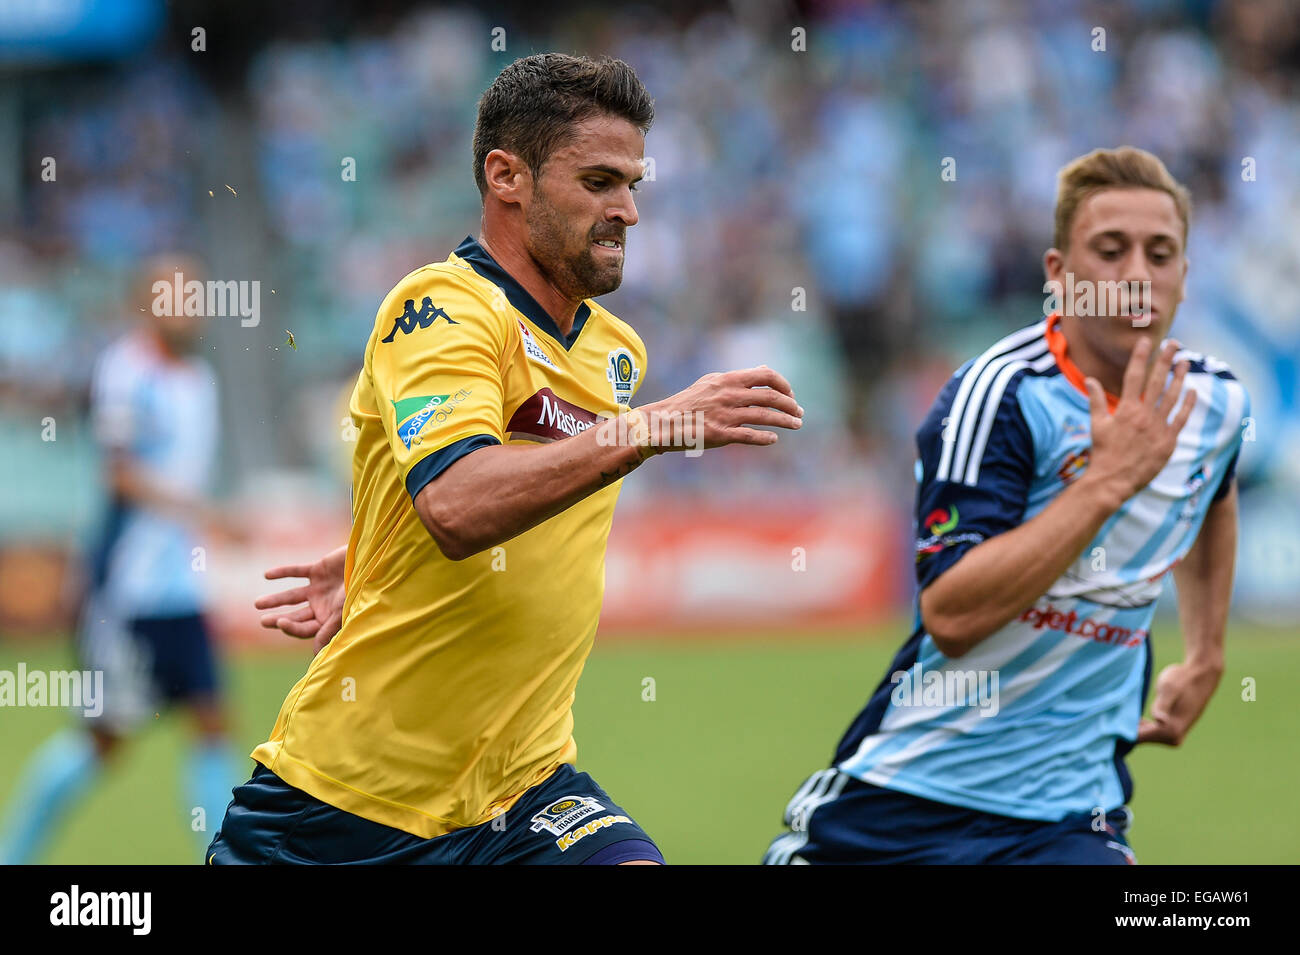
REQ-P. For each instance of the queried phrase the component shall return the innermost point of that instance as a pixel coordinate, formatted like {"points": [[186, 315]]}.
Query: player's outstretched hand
{"points": [[724, 408], [1182, 693], [1132, 445], [322, 614]]}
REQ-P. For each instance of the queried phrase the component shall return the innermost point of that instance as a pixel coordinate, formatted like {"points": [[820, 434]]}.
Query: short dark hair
{"points": [[531, 107]]}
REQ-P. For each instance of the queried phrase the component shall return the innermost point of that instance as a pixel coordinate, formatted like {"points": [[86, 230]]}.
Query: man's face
{"points": [[180, 332], [581, 206], [1121, 236]]}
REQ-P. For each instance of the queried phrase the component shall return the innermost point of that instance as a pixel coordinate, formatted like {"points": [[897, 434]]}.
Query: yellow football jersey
{"points": [[448, 691]]}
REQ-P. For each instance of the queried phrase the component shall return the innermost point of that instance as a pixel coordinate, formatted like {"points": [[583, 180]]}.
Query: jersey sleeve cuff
{"points": [[931, 565], [428, 468]]}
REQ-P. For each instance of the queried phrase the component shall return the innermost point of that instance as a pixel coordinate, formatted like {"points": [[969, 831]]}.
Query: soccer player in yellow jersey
{"points": [[495, 424]]}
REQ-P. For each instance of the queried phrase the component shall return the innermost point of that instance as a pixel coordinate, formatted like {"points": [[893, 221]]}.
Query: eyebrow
{"points": [[1121, 234], [612, 171]]}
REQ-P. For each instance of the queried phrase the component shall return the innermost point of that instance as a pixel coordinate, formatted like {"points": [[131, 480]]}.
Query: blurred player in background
{"points": [[154, 411], [495, 428], [1059, 481]]}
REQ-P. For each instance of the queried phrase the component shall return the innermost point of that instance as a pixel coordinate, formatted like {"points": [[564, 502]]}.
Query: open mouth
{"points": [[610, 245]]}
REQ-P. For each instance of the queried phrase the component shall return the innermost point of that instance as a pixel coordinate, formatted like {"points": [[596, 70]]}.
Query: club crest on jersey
{"points": [[564, 814], [1072, 466], [623, 374], [533, 350]]}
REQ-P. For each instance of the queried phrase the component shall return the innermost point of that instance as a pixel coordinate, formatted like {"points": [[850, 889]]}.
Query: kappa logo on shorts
{"points": [[563, 814], [569, 838]]}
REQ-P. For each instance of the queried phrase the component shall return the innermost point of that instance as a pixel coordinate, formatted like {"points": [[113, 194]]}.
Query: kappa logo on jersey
{"points": [[534, 350], [563, 814], [548, 417], [623, 374], [410, 319], [412, 414], [569, 838]]}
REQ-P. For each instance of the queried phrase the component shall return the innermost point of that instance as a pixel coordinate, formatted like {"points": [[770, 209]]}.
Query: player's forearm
{"points": [[495, 494], [133, 485], [998, 579], [1204, 578]]}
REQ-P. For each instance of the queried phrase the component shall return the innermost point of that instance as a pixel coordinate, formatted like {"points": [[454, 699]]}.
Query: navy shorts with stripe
{"points": [[147, 662], [565, 820], [835, 819]]}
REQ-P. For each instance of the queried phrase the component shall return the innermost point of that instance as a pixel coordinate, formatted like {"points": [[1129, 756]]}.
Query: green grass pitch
{"points": [[708, 766]]}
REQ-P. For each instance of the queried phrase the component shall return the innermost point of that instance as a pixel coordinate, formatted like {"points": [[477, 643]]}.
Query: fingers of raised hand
{"points": [[1131, 389], [1184, 411], [768, 417], [761, 377], [302, 629], [272, 620], [1170, 394], [284, 598], [748, 436], [288, 570], [764, 397], [1096, 397], [1155, 383]]}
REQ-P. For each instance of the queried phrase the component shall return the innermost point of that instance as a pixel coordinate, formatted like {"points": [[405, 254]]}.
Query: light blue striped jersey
{"points": [[161, 413], [1035, 720]]}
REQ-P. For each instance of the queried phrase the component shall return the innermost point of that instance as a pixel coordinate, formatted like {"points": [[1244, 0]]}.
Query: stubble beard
{"points": [[576, 274]]}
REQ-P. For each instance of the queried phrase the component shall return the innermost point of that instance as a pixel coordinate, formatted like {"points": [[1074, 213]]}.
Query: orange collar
{"points": [[1056, 344]]}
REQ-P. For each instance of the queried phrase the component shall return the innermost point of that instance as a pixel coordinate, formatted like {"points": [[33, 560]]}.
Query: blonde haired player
{"points": [[1062, 474]]}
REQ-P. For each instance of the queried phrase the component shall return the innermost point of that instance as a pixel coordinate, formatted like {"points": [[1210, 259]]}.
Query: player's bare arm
{"points": [[497, 493], [998, 579], [131, 483], [1204, 579]]}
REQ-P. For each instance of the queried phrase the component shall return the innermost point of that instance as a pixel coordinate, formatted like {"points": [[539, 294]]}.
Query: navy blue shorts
{"points": [[180, 655], [565, 820], [148, 663], [835, 819]]}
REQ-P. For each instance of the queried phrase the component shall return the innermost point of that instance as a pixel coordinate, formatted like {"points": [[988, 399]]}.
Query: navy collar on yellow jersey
{"points": [[482, 263]]}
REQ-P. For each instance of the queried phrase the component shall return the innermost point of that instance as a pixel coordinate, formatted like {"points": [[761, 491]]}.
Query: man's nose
{"points": [[1138, 266], [625, 211]]}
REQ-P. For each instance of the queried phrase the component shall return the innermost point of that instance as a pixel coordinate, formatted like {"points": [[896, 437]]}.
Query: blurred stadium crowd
{"points": [[775, 171]]}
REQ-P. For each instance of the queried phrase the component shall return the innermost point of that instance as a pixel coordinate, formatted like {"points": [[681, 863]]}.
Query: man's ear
{"points": [[1053, 260], [507, 176]]}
